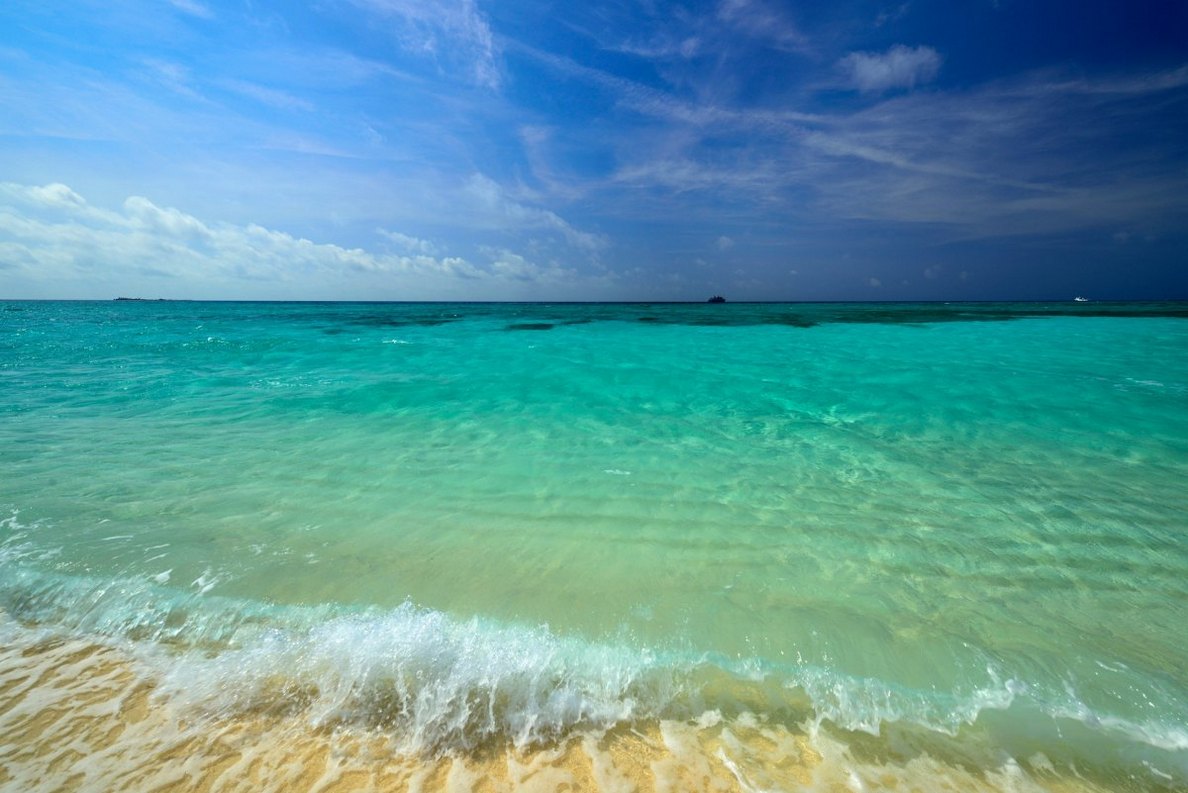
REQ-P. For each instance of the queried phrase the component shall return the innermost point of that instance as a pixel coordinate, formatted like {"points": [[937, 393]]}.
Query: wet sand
{"points": [[77, 715]]}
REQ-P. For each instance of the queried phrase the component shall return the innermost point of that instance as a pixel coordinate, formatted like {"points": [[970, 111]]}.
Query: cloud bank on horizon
{"points": [[524, 150]]}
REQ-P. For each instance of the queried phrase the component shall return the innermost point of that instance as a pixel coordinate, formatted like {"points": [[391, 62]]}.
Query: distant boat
{"points": [[1081, 299], [717, 299]]}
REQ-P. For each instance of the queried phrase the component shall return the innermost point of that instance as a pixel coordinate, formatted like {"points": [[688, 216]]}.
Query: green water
{"points": [[969, 519]]}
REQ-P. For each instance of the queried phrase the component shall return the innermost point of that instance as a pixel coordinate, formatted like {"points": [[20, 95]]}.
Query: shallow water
{"points": [[947, 536]]}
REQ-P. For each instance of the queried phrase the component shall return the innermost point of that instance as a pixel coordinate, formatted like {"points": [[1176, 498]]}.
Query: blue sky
{"points": [[536, 150]]}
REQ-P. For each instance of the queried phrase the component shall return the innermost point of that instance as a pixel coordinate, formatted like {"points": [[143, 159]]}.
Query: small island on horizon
{"points": [[716, 299]]}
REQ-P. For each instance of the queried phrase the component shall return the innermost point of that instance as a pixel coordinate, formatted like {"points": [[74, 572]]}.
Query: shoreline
{"points": [[80, 714]]}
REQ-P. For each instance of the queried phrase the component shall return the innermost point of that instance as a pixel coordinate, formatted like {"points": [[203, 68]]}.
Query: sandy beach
{"points": [[83, 716]]}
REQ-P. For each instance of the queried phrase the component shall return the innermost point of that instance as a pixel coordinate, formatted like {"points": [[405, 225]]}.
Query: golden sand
{"points": [[77, 715]]}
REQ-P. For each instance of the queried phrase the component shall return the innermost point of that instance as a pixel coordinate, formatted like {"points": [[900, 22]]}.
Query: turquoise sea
{"points": [[923, 542]]}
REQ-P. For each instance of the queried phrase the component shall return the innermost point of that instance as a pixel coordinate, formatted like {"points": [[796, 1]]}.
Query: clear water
{"points": [[962, 529]]}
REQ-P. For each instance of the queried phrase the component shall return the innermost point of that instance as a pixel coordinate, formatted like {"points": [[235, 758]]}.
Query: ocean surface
{"points": [[623, 546]]}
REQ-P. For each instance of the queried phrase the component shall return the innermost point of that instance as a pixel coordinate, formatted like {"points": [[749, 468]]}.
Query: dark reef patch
{"points": [[530, 326], [389, 322]]}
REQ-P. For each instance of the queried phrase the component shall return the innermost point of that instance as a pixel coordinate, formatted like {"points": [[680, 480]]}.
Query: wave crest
{"points": [[433, 683]]}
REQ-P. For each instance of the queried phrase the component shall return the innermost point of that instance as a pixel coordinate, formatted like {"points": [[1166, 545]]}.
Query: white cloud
{"points": [[144, 215], [54, 235], [50, 236], [724, 243], [408, 243], [898, 67], [51, 195], [145, 238], [513, 265]]}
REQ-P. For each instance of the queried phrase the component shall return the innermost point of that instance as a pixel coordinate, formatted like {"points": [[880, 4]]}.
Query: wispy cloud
{"points": [[448, 31], [282, 100], [749, 182], [321, 68], [1041, 154], [891, 15], [898, 67], [663, 46], [664, 105], [763, 20], [174, 76], [1130, 85], [193, 8], [1031, 156], [491, 201]]}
